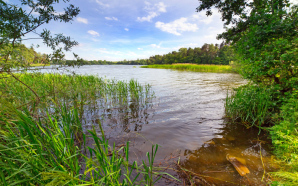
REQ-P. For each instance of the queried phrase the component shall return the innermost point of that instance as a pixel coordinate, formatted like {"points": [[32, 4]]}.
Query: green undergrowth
{"points": [[277, 113], [42, 141], [285, 140], [195, 68]]}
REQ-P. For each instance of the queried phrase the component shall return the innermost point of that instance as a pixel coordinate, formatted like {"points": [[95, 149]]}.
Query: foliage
{"points": [[16, 23], [242, 14], [285, 139], [264, 34], [272, 55], [195, 68], [22, 56]]}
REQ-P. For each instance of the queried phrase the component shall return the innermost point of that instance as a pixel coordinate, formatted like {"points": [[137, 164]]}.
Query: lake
{"points": [[186, 118]]}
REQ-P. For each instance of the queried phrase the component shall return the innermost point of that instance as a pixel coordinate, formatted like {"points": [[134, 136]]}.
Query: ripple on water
{"points": [[186, 117]]}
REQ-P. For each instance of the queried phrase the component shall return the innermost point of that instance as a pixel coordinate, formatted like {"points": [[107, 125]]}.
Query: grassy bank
{"points": [[42, 141], [195, 68], [39, 65], [275, 112]]}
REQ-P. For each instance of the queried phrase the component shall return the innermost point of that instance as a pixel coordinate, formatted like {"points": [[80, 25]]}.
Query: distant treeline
{"points": [[207, 54], [22, 55]]}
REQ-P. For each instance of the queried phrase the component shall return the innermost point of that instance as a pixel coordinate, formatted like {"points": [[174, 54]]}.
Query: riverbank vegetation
{"points": [[195, 67], [42, 138], [266, 42]]}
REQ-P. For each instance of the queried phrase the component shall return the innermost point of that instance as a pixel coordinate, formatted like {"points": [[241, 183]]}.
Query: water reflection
{"points": [[116, 118]]}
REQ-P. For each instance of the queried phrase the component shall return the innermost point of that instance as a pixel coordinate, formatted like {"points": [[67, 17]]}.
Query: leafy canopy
{"points": [[16, 23], [264, 33]]}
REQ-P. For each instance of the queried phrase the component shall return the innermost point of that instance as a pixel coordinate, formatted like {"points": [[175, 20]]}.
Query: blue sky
{"points": [[115, 30], [134, 29]]}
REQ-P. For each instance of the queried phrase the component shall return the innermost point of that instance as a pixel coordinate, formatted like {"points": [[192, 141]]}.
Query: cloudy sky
{"points": [[130, 29], [134, 29]]}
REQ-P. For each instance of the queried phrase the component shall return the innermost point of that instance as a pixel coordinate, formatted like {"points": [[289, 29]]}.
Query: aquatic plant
{"points": [[42, 141], [195, 68], [251, 105], [50, 91]]}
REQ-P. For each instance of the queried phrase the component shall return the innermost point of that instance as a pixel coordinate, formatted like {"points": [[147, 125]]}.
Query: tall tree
{"points": [[264, 33]]}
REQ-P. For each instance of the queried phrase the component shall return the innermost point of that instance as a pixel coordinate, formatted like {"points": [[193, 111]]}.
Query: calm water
{"points": [[186, 118]]}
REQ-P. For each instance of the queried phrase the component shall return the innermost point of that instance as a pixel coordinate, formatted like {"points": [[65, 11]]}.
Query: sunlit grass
{"points": [[195, 67], [38, 65]]}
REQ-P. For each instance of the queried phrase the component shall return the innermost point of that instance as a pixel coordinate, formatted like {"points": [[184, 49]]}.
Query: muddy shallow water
{"points": [[186, 118]]}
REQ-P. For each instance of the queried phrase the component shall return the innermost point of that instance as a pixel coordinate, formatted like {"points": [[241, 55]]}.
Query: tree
{"points": [[264, 33], [16, 23]]}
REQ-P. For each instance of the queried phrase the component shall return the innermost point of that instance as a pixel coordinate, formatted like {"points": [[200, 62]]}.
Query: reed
{"points": [[195, 67], [251, 105], [55, 90], [42, 141]]}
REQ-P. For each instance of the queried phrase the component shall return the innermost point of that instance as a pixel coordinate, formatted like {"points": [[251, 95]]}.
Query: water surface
{"points": [[186, 118]]}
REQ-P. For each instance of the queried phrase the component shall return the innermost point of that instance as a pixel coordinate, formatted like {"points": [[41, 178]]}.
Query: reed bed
{"points": [[250, 104], [38, 65], [51, 91], [42, 141], [195, 67]]}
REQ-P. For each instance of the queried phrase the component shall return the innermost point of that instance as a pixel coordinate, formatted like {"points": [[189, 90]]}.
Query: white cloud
{"points": [[140, 48], [82, 20], [94, 33], [161, 7], [102, 4], [148, 18], [177, 26], [111, 18], [153, 11], [155, 46], [126, 29]]}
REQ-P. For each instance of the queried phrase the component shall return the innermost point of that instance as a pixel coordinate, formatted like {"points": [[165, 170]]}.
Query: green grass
{"points": [[42, 140], [251, 105], [195, 68]]}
